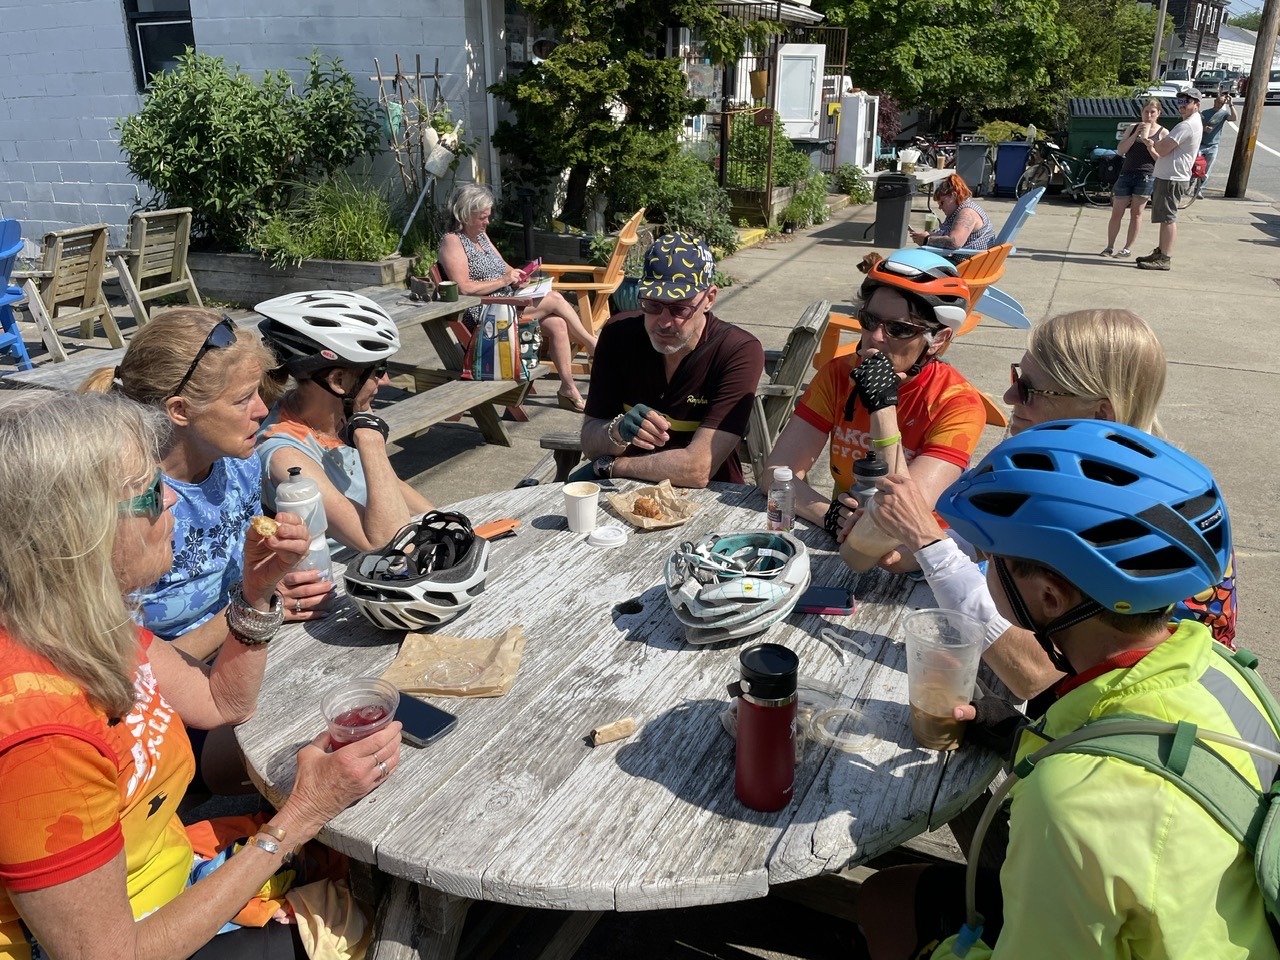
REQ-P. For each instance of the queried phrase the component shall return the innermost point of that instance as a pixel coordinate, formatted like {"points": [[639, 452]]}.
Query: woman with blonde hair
{"points": [[207, 376], [1091, 364], [1137, 177], [94, 862], [468, 257]]}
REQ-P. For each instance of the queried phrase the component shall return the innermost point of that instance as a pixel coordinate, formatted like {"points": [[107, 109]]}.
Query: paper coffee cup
{"points": [[448, 290], [580, 502]]}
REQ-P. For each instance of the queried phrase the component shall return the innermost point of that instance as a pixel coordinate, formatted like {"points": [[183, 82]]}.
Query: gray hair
{"points": [[467, 200]]}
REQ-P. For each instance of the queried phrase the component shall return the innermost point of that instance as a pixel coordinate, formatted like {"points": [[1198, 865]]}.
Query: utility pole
{"points": [[1242, 156], [1159, 41]]}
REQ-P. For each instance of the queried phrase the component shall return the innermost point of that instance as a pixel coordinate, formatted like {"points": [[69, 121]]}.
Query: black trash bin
{"points": [[892, 194]]}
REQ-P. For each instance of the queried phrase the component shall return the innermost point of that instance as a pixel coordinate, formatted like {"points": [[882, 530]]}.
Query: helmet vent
{"points": [[998, 504], [321, 321], [1198, 506], [1114, 532], [361, 318], [1158, 563], [1132, 444], [1032, 461], [1107, 473]]}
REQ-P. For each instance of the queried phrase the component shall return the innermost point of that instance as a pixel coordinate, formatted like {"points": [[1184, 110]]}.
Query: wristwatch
{"points": [[602, 467]]}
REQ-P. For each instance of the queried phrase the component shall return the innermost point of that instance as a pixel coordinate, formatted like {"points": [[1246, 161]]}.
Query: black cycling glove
{"points": [[362, 421], [875, 383], [996, 726]]}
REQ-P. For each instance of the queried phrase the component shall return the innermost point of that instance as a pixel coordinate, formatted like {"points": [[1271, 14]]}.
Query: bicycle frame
{"points": [[1079, 174]]}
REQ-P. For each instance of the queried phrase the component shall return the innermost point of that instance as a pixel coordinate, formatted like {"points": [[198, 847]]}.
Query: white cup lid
{"points": [[610, 535]]}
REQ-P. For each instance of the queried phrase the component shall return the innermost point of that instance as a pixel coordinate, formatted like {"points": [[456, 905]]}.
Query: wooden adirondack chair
{"points": [[71, 279], [593, 295], [155, 264]]}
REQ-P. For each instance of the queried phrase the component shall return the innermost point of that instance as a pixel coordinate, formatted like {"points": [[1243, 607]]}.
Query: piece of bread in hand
{"points": [[264, 526], [647, 507]]}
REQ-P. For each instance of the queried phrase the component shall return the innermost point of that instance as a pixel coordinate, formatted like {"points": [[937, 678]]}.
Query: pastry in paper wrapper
{"points": [[431, 664], [675, 509]]}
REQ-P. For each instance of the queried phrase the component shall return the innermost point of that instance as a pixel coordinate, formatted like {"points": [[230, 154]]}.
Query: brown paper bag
{"points": [[677, 508], [433, 665]]}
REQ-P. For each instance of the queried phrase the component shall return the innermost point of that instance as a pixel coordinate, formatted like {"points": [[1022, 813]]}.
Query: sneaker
{"points": [[1154, 255], [1124, 253], [1106, 253], [1160, 262]]}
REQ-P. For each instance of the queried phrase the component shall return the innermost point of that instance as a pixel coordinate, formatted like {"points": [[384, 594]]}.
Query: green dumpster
{"points": [[1102, 121]]}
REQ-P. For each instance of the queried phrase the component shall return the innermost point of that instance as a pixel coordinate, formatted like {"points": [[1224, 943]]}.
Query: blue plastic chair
{"points": [[1023, 209], [10, 337]]}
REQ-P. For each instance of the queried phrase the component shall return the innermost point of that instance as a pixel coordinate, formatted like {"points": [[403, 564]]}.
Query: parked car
{"points": [[1273, 87], [1214, 82], [1178, 78], [1162, 90]]}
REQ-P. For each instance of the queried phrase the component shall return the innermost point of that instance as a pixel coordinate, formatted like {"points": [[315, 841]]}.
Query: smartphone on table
{"points": [[423, 723], [830, 600]]}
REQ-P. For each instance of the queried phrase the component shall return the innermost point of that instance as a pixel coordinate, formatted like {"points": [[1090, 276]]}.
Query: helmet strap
{"points": [[922, 361], [1078, 614], [348, 399]]}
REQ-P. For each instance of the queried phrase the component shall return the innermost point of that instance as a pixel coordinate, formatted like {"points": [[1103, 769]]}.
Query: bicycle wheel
{"points": [[1189, 197], [1095, 191], [1032, 177]]}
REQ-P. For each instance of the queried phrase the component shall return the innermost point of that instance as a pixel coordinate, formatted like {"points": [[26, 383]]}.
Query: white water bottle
{"points": [[300, 495], [782, 502]]}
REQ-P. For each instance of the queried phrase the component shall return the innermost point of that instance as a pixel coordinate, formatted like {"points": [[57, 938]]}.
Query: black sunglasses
{"points": [[893, 329], [149, 504], [681, 311], [220, 337], [1026, 392]]}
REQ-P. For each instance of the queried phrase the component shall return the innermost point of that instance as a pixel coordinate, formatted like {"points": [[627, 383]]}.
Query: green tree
{"points": [[1250, 20]]}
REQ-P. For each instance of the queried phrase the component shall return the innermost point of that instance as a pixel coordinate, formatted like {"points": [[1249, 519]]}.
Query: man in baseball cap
{"points": [[672, 385]]}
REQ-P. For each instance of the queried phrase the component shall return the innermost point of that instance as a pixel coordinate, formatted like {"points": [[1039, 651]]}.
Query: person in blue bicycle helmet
{"points": [[1094, 530]]}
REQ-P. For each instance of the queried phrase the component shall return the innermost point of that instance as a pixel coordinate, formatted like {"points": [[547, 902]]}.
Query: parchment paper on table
{"points": [[676, 509], [431, 664]]}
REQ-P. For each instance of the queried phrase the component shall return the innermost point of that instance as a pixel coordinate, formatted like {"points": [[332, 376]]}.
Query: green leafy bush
{"points": [[332, 219], [850, 179], [809, 203], [230, 148], [749, 156], [997, 131]]}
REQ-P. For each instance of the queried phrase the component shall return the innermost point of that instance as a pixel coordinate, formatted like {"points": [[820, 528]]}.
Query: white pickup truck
{"points": [[1273, 87]]}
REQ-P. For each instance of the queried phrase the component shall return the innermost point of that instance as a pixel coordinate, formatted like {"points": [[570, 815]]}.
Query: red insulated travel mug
{"points": [[765, 771]]}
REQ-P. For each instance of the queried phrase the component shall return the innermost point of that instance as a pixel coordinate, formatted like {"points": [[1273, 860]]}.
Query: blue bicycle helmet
{"points": [[926, 276], [1133, 522]]}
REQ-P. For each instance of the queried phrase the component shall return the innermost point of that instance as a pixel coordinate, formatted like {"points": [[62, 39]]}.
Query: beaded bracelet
{"points": [[250, 626], [888, 441], [613, 430]]}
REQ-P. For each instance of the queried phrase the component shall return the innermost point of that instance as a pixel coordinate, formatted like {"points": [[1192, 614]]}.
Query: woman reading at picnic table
{"points": [[1099, 364], [966, 225], [894, 396], [335, 346], [468, 257], [94, 862]]}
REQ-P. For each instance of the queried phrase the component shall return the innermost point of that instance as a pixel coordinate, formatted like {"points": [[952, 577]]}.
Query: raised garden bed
{"points": [[759, 207], [246, 278]]}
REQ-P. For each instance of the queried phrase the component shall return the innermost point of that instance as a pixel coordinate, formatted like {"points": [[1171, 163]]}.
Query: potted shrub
{"points": [[420, 283]]}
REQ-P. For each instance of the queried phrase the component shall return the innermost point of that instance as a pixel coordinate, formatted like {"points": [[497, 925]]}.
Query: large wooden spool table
{"points": [[514, 807]]}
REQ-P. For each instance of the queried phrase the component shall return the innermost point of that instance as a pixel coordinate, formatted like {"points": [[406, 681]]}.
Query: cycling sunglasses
{"points": [[1026, 392], [220, 337], [893, 329], [149, 504], [681, 311]]}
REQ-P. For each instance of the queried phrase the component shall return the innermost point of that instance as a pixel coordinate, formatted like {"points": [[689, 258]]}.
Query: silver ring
{"points": [[382, 767], [297, 606]]}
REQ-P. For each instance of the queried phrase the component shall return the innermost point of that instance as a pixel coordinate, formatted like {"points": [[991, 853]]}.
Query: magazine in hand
{"points": [[537, 287]]}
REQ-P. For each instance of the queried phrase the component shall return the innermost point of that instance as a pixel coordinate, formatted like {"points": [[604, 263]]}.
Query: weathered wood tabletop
{"points": [[515, 807]]}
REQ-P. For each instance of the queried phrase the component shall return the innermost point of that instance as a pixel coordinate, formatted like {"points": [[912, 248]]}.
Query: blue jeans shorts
{"points": [[1134, 185]]}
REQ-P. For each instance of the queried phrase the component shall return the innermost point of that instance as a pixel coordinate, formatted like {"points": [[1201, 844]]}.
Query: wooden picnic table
{"points": [[514, 807]]}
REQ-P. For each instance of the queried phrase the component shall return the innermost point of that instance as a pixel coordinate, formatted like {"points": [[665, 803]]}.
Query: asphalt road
{"points": [[1264, 175]]}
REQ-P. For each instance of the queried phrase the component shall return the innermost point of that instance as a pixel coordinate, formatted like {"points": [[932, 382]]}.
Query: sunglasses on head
{"points": [[679, 310], [1026, 392], [893, 329], [149, 504], [220, 337]]}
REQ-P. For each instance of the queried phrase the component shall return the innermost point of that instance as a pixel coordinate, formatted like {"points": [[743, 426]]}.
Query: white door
{"points": [[800, 67]]}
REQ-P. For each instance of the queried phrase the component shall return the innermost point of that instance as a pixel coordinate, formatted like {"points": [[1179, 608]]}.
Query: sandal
{"points": [[1106, 253], [566, 402]]}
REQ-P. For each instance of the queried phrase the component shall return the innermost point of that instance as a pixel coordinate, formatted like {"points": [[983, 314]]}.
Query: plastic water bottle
{"points": [[300, 495], [866, 471], [782, 502]]}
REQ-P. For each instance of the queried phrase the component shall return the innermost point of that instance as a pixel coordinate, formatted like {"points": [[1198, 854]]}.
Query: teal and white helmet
{"points": [[726, 587]]}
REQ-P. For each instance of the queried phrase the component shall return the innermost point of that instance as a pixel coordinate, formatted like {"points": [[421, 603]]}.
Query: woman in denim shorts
{"points": [[1137, 178]]}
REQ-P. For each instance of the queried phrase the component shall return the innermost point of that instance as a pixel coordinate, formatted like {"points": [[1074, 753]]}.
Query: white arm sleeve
{"points": [[958, 584]]}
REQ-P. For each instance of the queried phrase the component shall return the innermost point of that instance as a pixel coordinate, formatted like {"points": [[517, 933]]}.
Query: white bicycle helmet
{"points": [[318, 329], [728, 587], [430, 572]]}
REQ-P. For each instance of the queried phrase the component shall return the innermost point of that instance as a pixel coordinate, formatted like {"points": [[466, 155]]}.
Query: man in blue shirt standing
{"points": [[1215, 118]]}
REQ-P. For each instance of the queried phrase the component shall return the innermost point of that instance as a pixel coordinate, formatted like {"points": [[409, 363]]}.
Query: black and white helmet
{"points": [[430, 572], [729, 587], [318, 329]]}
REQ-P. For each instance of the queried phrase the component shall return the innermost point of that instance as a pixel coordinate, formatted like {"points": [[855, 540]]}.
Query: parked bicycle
{"points": [[931, 148], [1080, 176]]}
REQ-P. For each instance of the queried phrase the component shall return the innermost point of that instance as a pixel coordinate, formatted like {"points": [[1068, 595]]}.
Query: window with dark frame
{"points": [[159, 33]]}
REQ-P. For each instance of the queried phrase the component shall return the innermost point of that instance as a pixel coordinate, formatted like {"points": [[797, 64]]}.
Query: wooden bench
{"points": [[451, 398]]}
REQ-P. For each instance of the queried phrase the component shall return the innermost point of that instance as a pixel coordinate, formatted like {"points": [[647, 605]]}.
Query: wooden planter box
{"points": [[246, 278], [759, 207]]}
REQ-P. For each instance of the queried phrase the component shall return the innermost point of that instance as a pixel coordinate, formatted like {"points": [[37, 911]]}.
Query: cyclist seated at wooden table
{"points": [[966, 226]]}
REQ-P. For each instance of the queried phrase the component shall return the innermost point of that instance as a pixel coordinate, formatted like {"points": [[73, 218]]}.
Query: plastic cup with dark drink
{"points": [[357, 708], [943, 647]]}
